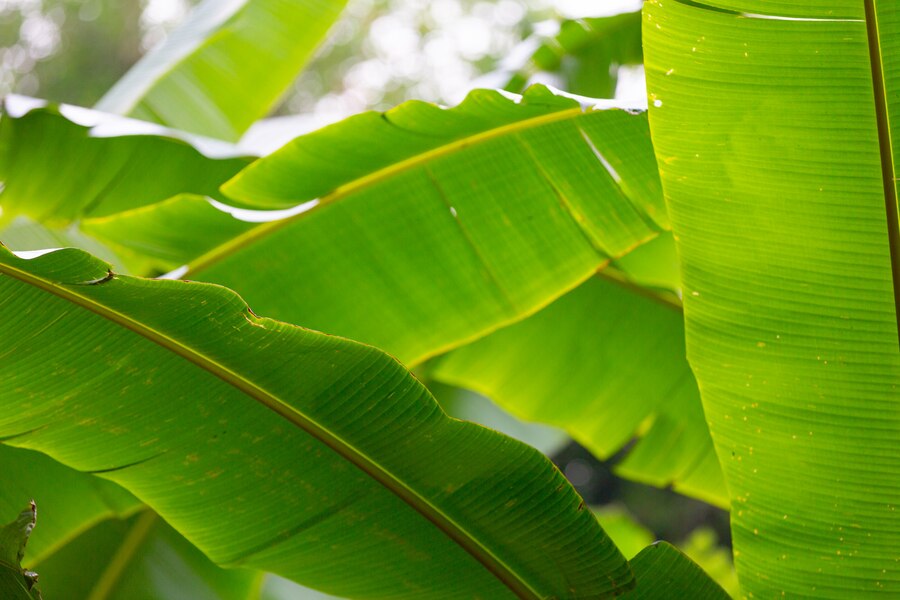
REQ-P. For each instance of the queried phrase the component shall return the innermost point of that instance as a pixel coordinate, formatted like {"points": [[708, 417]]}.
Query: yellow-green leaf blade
{"points": [[767, 134], [434, 226], [211, 415], [606, 364], [225, 66]]}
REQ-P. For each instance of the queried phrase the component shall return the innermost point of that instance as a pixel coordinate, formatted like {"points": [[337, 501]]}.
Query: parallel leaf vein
{"points": [[456, 532]]}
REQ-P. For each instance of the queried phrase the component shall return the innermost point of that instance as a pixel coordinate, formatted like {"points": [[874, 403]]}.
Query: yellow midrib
{"points": [[888, 169], [517, 584], [233, 245]]}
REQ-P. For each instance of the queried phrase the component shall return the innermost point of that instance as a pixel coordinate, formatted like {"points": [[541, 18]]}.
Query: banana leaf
{"points": [[433, 226], [71, 502], [604, 362], [60, 163], [140, 558], [225, 66], [282, 449], [663, 572], [777, 149]]}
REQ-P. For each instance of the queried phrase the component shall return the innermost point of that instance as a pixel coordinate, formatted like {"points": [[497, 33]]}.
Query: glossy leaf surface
{"points": [[772, 136], [59, 163], [279, 448], [604, 363], [225, 66], [433, 225]]}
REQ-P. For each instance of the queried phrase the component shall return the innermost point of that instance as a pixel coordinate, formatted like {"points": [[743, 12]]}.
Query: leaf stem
{"points": [[888, 170]]}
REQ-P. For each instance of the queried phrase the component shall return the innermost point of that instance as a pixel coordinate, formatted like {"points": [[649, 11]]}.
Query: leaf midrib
{"points": [[888, 169], [468, 542], [370, 179]]}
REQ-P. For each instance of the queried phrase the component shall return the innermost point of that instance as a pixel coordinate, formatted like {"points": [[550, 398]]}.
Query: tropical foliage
{"points": [[554, 253]]}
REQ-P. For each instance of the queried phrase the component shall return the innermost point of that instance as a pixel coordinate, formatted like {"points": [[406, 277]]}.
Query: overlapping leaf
{"points": [[586, 53], [603, 362], [435, 225], [60, 163], [141, 559], [663, 572], [70, 501], [280, 448], [776, 146], [15, 582], [225, 66], [434, 283]]}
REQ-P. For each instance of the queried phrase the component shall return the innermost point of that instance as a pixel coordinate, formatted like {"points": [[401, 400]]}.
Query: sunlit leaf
{"points": [[605, 363], [283, 449], [434, 226], [225, 67], [586, 53], [59, 163], [778, 163]]}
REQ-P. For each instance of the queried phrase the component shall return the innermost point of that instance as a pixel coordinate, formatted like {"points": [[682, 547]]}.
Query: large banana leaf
{"points": [[435, 225], [280, 448], [59, 163], [431, 304], [603, 362], [225, 66], [776, 146]]}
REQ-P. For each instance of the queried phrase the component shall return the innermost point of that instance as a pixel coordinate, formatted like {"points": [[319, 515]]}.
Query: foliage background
{"points": [[381, 53]]}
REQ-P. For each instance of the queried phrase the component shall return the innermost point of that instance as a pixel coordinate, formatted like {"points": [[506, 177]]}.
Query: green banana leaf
{"points": [[676, 447], [163, 236], [434, 226], [225, 67], [663, 573], [15, 582], [25, 234], [59, 163], [653, 265], [776, 146], [278, 448], [141, 558], [605, 363], [70, 502], [586, 53]]}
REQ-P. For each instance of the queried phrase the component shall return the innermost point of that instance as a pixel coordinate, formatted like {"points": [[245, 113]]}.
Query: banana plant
{"points": [[777, 152], [515, 245]]}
